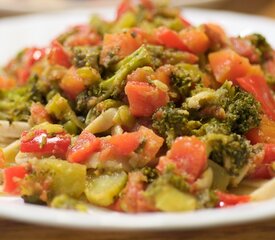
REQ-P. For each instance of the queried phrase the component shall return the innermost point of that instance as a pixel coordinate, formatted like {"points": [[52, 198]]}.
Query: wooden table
{"points": [[264, 230]]}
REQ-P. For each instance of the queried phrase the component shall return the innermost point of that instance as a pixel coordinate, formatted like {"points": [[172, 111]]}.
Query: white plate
{"points": [[39, 30]]}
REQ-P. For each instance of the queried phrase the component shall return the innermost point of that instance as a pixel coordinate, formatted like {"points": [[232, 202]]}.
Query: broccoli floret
{"points": [[86, 57], [230, 151], [184, 78], [233, 107], [171, 122], [114, 86], [243, 113], [150, 173], [59, 108], [15, 104]]}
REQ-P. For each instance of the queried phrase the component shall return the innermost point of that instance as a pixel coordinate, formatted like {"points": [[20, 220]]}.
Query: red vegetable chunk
{"points": [[12, 177], [188, 155], [40, 142], [145, 99], [83, 147]]}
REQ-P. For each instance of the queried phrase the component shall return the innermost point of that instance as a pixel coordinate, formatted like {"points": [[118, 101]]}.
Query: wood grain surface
{"points": [[264, 230]]}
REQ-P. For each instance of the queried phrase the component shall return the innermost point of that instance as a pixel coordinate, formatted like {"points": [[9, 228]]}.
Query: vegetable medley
{"points": [[140, 114]]}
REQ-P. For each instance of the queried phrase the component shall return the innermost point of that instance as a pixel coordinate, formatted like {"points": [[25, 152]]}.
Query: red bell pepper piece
{"points": [[40, 142], [170, 39], [58, 55], [227, 199], [83, 147]]}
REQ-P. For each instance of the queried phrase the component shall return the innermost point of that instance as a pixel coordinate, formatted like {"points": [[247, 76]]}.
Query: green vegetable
{"points": [[170, 199], [61, 110], [184, 78], [221, 178], [52, 177], [65, 202], [171, 122], [86, 56], [11, 151], [229, 151], [102, 189]]}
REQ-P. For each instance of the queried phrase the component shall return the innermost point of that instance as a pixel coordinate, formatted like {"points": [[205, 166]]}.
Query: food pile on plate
{"points": [[144, 113]]}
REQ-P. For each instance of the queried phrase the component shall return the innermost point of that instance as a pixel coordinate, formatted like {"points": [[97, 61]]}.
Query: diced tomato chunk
{"points": [[85, 145], [245, 48], [195, 39], [40, 142], [152, 143], [145, 99], [12, 177], [257, 86], [118, 45], [125, 143], [188, 155], [226, 199], [72, 84], [39, 114], [228, 65], [58, 55], [170, 39]]}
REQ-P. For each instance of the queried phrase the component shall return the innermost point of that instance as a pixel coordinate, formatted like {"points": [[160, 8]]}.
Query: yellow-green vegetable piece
{"points": [[170, 199], [221, 178], [11, 151], [67, 178], [101, 190]]}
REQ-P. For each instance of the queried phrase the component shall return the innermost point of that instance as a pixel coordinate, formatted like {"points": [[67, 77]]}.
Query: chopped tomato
{"points": [[38, 141], [29, 58], [145, 75], [144, 37], [39, 114], [145, 99], [123, 7], [124, 144], [265, 133], [170, 39], [58, 55], [245, 48], [226, 199], [188, 155], [118, 46], [132, 196], [85, 145], [12, 177], [257, 86], [216, 35], [228, 65], [195, 39], [85, 36], [163, 74], [140, 75], [72, 84], [263, 169], [152, 143]]}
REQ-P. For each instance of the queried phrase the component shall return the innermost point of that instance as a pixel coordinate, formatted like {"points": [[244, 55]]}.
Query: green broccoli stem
{"points": [[116, 83], [61, 110]]}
